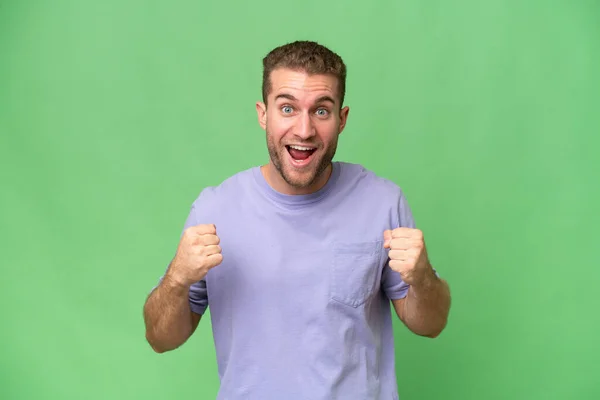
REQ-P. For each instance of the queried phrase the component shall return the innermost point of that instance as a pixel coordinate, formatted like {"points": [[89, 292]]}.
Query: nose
{"points": [[305, 129]]}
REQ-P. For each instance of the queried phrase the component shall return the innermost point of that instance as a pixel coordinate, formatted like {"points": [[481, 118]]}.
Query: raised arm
{"points": [[167, 314], [425, 308]]}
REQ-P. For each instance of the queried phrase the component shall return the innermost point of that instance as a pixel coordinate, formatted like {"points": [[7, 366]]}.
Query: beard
{"points": [[306, 178]]}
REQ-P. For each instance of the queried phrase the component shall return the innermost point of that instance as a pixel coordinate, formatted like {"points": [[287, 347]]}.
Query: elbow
{"points": [[155, 345], [433, 335], [158, 350], [437, 332]]}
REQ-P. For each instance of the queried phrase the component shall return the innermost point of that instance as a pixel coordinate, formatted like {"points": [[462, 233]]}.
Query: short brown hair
{"points": [[306, 56]]}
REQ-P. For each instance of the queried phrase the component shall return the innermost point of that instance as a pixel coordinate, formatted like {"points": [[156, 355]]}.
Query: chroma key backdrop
{"points": [[115, 114]]}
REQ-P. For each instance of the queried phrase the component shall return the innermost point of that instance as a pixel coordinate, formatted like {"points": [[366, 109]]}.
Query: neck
{"points": [[276, 181]]}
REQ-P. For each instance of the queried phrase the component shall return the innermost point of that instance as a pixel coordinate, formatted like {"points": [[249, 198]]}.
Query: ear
{"points": [[343, 117], [261, 111]]}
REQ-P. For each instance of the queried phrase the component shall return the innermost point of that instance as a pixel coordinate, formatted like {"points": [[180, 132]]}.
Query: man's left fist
{"points": [[408, 255]]}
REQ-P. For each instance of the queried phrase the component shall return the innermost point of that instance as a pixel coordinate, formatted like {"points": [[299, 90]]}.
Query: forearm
{"points": [[168, 316], [426, 307]]}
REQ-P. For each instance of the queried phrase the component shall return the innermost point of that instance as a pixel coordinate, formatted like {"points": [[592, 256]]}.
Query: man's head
{"points": [[302, 114]]}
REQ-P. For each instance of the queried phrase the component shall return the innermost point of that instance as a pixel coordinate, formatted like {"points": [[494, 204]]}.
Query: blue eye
{"points": [[322, 112], [286, 109]]}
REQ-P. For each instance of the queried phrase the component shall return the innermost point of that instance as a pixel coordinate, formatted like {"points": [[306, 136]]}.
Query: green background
{"points": [[115, 114]]}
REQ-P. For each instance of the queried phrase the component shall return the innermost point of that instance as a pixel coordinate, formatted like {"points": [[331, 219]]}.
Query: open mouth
{"points": [[301, 155]]}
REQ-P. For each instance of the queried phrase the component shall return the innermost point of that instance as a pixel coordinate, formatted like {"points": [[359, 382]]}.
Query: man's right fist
{"points": [[197, 253]]}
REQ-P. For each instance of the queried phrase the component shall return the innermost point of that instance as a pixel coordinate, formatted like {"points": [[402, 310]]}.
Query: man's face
{"points": [[302, 121]]}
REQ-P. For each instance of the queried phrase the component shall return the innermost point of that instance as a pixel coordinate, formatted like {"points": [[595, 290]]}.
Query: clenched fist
{"points": [[197, 253], [408, 255]]}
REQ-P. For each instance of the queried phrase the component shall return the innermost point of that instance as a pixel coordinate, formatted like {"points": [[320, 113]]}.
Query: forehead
{"points": [[302, 85]]}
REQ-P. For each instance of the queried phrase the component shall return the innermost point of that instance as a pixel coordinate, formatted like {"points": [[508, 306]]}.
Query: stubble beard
{"points": [[306, 180]]}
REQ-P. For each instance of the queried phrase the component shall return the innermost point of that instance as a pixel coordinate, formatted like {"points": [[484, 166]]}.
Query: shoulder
{"points": [[379, 198], [233, 187], [367, 181]]}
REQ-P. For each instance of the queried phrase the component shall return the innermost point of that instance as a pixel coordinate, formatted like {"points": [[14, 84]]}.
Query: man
{"points": [[300, 259]]}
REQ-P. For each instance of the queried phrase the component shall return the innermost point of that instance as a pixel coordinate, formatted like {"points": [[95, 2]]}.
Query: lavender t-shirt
{"points": [[300, 305]]}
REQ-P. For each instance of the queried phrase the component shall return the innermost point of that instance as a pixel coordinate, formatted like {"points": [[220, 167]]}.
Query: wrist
{"points": [[173, 282], [428, 279]]}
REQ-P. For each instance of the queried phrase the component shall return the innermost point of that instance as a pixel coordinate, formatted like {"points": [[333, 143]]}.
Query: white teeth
{"points": [[301, 148]]}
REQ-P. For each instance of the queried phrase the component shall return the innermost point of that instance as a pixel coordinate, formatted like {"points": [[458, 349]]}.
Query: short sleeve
{"points": [[198, 295], [391, 281], [198, 292]]}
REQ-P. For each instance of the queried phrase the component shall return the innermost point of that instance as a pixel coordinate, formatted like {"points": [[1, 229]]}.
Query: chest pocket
{"points": [[355, 272]]}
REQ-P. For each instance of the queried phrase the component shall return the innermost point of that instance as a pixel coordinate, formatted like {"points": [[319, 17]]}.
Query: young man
{"points": [[300, 259]]}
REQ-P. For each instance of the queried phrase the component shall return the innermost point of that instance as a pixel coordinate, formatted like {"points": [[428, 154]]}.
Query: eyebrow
{"points": [[321, 99], [324, 99], [286, 96]]}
